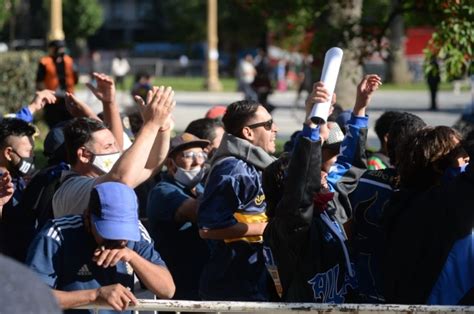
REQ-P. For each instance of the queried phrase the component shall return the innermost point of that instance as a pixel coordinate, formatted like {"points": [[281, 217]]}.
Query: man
{"points": [[172, 212], [95, 156], [93, 257], [379, 160], [56, 72], [232, 211], [207, 129], [16, 157]]}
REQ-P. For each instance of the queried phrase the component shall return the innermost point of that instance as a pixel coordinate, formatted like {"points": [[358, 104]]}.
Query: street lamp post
{"points": [[212, 83], [56, 21]]}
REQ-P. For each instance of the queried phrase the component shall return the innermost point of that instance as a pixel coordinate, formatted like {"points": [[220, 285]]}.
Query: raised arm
{"points": [[129, 169], [105, 92]]}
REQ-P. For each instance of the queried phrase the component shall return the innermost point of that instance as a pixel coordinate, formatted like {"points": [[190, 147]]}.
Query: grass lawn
{"points": [[194, 84]]}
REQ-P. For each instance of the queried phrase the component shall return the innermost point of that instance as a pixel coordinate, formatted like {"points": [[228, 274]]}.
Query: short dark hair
{"points": [[384, 122], [14, 127], [402, 128], [204, 128], [426, 155], [237, 115], [77, 133]]}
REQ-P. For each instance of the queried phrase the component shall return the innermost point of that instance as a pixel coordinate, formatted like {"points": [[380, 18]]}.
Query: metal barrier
{"points": [[268, 307]]}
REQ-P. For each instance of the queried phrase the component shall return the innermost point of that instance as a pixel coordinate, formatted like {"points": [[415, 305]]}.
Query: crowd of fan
{"points": [[211, 214]]}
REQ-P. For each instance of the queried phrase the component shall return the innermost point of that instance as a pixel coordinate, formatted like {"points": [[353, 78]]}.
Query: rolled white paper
{"points": [[332, 63]]}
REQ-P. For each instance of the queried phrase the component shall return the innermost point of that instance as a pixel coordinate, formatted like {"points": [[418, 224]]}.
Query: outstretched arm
{"points": [[130, 168], [105, 92], [117, 296]]}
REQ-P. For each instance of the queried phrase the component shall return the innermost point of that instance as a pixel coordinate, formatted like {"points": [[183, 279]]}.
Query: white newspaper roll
{"points": [[332, 63]]}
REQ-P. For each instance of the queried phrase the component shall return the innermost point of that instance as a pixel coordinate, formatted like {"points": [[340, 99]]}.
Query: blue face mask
{"points": [[453, 172]]}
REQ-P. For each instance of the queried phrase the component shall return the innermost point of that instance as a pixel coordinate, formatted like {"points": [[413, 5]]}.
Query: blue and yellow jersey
{"points": [[236, 268]]}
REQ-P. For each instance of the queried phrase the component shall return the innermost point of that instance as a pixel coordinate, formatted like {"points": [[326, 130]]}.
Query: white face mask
{"points": [[189, 178], [105, 162]]}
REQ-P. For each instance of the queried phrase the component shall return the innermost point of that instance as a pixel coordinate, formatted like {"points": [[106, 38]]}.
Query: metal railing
{"points": [[268, 307]]}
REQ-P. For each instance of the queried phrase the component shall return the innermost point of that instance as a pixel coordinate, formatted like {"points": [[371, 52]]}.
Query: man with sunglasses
{"points": [[172, 210], [232, 211], [94, 257]]}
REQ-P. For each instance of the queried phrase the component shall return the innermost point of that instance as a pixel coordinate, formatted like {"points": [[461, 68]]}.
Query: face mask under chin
{"points": [[105, 162]]}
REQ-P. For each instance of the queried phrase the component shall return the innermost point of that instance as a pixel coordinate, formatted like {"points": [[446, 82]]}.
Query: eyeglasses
{"points": [[194, 155], [267, 125]]}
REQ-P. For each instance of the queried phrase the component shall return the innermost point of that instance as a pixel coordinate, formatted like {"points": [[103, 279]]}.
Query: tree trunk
{"points": [[350, 72], [397, 63]]}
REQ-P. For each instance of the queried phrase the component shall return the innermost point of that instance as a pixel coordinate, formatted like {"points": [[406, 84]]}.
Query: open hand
{"points": [[41, 99], [105, 89], [158, 107]]}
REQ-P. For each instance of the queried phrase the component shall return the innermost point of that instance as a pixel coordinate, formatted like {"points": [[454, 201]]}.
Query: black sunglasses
{"points": [[267, 125]]}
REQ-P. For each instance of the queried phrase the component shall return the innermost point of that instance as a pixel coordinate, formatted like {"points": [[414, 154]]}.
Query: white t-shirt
{"points": [[73, 195], [246, 71], [120, 67]]}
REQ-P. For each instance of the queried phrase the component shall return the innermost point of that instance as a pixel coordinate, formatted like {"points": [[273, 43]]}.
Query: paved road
{"points": [[193, 105]]}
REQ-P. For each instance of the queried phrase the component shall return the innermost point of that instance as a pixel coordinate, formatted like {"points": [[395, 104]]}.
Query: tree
{"points": [[453, 20], [81, 18]]}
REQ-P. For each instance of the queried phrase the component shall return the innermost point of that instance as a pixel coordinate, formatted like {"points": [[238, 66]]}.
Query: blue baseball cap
{"points": [[119, 212]]}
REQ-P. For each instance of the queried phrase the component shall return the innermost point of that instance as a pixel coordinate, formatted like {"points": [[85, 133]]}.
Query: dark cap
{"points": [[185, 141], [53, 141], [56, 44]]}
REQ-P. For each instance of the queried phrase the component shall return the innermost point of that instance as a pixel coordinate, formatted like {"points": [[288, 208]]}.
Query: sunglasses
{"points": [[267, 125]]}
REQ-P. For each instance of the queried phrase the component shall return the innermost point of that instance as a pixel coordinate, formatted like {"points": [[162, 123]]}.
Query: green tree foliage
{"points": [[453, 39], [186, 20], [81, 18], [6, 8], [17, 79], [453, 20]]}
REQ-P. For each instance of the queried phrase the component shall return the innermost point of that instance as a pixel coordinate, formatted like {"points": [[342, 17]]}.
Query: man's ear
{"points": [[83, 155], [247, 134], [6, 152], [170, 165]]}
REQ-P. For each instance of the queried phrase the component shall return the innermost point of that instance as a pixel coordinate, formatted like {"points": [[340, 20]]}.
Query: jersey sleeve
{"points": [[145, 248], [227, 189], [43, 254], [351, 163]]}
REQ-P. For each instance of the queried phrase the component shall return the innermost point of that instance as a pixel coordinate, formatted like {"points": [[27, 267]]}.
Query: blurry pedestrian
{"points": [[433, 79], [120, 68], [56, 72]]}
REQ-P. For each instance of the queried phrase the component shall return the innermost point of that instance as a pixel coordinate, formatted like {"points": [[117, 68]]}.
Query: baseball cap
{"points": [[216, 112], [118, 218], [186, 140], [335, 136], [53, 141]]}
